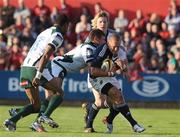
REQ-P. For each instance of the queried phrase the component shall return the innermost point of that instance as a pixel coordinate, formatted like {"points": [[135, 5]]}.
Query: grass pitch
{"points": [[158, 123]]}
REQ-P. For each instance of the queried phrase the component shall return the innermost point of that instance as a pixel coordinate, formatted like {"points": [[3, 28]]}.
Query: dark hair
{"points": [[95, 33], [61, 19]]}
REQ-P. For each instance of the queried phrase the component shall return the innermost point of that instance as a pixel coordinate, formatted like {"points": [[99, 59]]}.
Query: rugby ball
{"points": [[107, 65]]}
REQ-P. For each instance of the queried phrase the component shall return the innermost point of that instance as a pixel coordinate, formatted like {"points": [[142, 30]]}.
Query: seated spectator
{"points": [[138, 22], [164, 33], [18, 24], [25, 50], [26, 37], [172, 37], [178, 66], [7, 12], [54, 14], [120, 22], [161, 54], [71, 35], [82, 25], [3, 58], [85, 11], [31, 27], [148, 33], [172, 63], [21, 11], [173, 19], [41, 9], [153, 67], [155, 19], [129, 45], [97, 8], [41, 23], [16, 58], [155, 31], [176, 48], [65, 8]]}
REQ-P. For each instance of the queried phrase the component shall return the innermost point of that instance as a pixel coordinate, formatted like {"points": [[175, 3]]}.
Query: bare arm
{"points": [[43, 61]]}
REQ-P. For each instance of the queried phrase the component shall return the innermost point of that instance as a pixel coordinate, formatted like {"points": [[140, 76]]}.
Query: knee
{"points": [[100, 103], [117, 97]]}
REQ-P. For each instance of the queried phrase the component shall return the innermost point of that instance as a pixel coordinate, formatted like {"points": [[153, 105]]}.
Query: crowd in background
{"points": [[152, 41]]}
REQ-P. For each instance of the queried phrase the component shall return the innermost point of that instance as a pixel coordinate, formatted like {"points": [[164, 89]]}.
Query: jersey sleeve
{"points": [[122, 53], [56, 40], [87, 53]]}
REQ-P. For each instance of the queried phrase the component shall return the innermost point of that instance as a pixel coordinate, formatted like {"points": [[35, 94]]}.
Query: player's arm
{"points": [[97, 72], [42, 63]]}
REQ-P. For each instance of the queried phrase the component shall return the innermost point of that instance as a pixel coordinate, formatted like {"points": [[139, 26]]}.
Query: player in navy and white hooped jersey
{"points": [[104, 84]]}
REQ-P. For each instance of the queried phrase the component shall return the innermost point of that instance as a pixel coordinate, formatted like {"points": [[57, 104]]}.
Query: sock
{"points": [[89, 104], [112, 114], [54, 102], [92, 114], [124, 109], [44, 105], [25, 111]]}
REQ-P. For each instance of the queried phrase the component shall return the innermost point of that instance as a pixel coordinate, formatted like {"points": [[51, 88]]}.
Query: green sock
{"points": [[44, 105], [54, 102], [25, 111]]}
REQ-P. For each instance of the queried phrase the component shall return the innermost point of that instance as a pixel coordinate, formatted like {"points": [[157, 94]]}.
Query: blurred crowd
{"points": [[152, 41]]}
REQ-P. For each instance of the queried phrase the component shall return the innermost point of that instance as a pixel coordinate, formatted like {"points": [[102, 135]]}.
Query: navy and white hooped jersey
{"points": [[77, 58], [51, 36], [103, 52]]}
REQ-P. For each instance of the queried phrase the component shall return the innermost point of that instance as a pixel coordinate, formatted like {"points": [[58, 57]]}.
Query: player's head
{"points": [[114, 43], [101, 21], [62, 21], [97, 36]]}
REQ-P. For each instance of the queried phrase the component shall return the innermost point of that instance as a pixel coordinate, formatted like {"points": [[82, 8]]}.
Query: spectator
{"points": [[41, 23], [16, 58], [41, 9], [21, 12], [120, 22], [7, 12], [155, 31], [155, 19], [65, 8], [172, 37], [3, 58], [176, 48], [178, 66], [26, 37], [54, 14], [173, 19], [164, 33], [85, 11], [97, 8], [71, 35], [172, 63], [138, 22], [161, 55], [154, 65], [82, 25]]}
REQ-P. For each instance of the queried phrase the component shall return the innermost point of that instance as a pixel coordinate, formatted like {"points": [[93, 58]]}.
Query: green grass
{"points": [[158, 123]]}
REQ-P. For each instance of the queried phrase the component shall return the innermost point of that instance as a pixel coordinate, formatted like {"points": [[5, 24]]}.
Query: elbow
{"points": [[92, 71]]}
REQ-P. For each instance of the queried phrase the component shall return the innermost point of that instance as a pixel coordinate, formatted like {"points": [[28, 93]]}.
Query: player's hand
{"points": [[36, 82], [126, 75], [121, 64]]}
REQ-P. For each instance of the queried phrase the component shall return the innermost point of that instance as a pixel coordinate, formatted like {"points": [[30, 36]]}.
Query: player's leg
{"points": [[54, 85], [120, 106], [33, 107], [27, 74]]}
